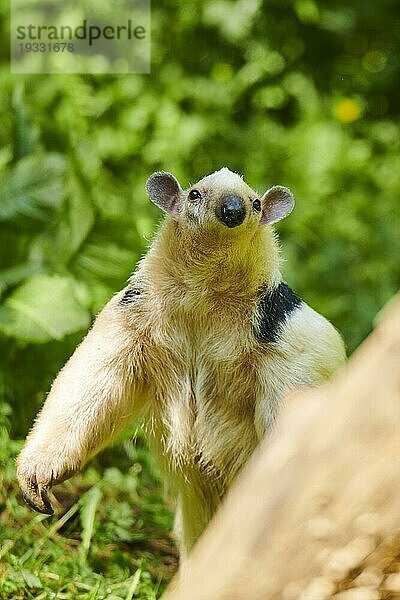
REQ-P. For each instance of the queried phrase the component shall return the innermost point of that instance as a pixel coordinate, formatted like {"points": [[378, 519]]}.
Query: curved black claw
{"points": [[46, 509]]}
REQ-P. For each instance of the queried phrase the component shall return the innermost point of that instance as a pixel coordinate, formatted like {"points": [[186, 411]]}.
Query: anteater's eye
{"points": [[194, 195], [257, 205]]}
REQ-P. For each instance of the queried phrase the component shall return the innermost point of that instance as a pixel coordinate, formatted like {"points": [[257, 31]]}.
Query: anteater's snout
{"points": [[231, 211]]}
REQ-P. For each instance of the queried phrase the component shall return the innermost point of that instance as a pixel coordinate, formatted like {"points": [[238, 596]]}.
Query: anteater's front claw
{"points": [[34, 489], [35, 478], [43, 505]]}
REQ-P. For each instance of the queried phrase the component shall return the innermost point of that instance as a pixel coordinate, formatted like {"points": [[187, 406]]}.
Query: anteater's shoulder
{"points": [[275, 305]]}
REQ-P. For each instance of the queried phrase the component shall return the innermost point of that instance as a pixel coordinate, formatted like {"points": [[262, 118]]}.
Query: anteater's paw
{"points": [[37, 472]]}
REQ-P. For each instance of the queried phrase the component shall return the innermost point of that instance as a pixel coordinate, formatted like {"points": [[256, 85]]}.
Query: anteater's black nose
{"points": [[231, 211]]}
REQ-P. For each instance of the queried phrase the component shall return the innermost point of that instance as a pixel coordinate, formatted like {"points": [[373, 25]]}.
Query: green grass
{"points": [[110, 540]]}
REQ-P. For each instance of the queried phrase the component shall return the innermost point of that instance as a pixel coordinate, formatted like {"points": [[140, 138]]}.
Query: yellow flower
{"points": [[347, 110]]}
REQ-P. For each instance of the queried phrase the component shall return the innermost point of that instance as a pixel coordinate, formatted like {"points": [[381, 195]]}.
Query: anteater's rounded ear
{"points": [[165, 191], [277, 203]]}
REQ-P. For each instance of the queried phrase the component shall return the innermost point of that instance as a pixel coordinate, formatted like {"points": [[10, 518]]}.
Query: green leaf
{"points": [[45, 307], [108, 254], [26, 133], [61, 243], [31, 580], [107, 261], [133, 584], [32, 187], [89, 504], [16, 274], [81, 217]]}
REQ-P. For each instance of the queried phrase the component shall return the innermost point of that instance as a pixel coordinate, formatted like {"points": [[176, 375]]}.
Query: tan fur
{"points": [[183, 356]]}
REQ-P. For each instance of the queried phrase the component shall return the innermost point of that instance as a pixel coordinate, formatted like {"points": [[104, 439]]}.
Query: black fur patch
{"points": [[130, 294], [274, 307]]}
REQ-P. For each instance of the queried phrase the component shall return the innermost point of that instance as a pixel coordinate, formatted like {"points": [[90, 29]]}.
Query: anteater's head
{"points": [[221, 202]]}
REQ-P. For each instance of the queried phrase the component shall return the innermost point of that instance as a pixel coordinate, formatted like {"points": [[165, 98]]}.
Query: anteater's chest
{"points": [[205, 383]]}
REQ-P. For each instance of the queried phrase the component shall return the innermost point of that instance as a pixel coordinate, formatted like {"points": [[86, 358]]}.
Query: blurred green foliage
{"points": [[301, 93]]}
